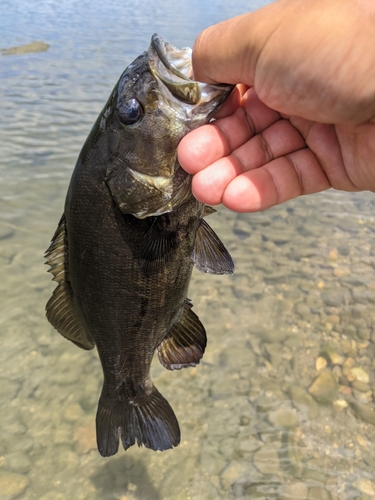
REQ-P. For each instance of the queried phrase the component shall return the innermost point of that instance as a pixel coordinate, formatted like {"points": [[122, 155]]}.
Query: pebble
{"points": [[363, 333], [358, 373], [302, 310], [266, 460], [348, 349], [360, 386], [284, 418], [250, 445], [275, 353], [85, 437], [362, 397], [324, 388], [233, 472], [295, 491], [318, 493], [339, 272], [320, 363], [12, 485], [19, 462], [335, 358], [365, 412], [334, 298], [348, 364], [73, 412], [270, 334], [302, 400], [365, 486], [340, 404], [314, 474]]}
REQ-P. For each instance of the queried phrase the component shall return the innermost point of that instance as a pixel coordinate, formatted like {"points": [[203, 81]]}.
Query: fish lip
{"points": [[173, 68], [164, 48]]}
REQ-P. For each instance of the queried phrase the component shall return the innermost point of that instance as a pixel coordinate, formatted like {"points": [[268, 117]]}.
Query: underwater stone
{"points": [[318, 493], [12, 485], [300, 397], [365, 412], [283, 417], [18, 462], [294, 491], [266, 460], [302, 310], [358, 373], [324, 388], [334, 298], [320, 363], [365, 486]]}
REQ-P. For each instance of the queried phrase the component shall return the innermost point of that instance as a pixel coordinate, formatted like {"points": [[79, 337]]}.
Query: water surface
{"points": [[292, 327]]}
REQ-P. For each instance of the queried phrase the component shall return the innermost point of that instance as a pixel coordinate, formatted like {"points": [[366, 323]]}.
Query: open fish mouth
{"points": [[177, 61], [172, 66]]}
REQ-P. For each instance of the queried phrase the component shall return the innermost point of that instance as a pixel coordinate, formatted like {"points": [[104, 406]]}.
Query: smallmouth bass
{"points": [[124, 249]]}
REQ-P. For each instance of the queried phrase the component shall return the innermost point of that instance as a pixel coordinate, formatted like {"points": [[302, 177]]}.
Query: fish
{"points": [[126, 244]]}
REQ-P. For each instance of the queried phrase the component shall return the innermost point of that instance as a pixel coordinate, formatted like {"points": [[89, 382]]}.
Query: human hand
{"points": [[322, 85]]}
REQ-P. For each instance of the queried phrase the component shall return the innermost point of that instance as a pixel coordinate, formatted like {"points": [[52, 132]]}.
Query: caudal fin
{"points": [[150, 421]]}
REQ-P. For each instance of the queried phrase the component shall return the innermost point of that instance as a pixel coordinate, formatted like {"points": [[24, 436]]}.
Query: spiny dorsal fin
{"points": [[208, 210], [209, 254], [157, 246], [59, 309], [185, 343]]}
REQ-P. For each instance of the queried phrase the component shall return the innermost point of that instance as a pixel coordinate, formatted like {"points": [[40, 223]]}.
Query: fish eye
{"points": [[130, 112]]}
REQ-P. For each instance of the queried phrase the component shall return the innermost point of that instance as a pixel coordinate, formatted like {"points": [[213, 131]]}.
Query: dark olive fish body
{"points": [[124, 250]]}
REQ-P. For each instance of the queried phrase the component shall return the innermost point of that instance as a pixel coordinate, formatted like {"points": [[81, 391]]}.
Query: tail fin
{"points": [[150, 422]]}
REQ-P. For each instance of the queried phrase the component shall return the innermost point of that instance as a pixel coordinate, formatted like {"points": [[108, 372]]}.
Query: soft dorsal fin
{"points": [[209, 254], [185, 342], [157, 245], [59, 309]]}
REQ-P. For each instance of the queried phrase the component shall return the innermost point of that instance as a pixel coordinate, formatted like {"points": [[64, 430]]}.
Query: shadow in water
{"points": [[124, 477]]}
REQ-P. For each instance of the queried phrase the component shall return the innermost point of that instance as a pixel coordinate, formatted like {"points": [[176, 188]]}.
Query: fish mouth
{"points": [[173, 67]]}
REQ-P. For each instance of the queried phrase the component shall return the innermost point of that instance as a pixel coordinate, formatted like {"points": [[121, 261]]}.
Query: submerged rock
{"points": [[365, 412], [28, 48], [295, 491], [266, 460], [365, 486], [284, 418], [12, 485], [324, 388]]}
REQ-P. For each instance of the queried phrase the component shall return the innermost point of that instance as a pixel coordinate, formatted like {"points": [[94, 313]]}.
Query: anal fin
{"points": [[185, 343], [59, 309], [209, 254]]}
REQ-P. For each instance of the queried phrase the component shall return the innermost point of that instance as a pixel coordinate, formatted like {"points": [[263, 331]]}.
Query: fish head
{"points": [[154, 104]]}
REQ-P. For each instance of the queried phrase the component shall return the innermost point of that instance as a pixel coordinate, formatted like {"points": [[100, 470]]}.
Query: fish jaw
{"points": [[194, 103]]}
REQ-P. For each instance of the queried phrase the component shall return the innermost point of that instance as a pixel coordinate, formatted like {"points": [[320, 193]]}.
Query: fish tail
{"points": [[148, 420]]}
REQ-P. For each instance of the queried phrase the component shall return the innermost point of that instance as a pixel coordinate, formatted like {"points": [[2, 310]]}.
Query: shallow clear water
{"points": [[293, 326]]}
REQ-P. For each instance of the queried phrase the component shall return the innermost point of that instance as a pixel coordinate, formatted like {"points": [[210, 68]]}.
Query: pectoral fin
{"points": [[157, 245], [185, 343], [209, 254], [59, 309]]}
